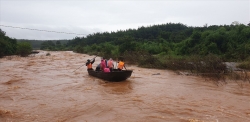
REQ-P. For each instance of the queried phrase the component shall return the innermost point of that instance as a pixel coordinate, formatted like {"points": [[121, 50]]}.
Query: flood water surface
{"points": [[52, 88]]}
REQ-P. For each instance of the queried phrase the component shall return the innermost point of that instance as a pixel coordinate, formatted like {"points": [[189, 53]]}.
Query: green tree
{"points": [[7, 45], [24, 48]]}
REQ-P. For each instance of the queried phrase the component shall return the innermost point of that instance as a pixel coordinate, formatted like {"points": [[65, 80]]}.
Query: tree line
{"points": [[229, 42], [10, 46], [55, 45]]}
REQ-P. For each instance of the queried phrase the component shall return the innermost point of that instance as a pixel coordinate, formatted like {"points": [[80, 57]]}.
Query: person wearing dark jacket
{"points": [[98, 67]]}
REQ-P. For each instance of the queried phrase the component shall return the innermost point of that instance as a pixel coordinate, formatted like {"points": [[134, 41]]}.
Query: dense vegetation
{"points": [[159, 46], [54, 45], [46, 44], [229, 42], [23, 48], [9, 46]]}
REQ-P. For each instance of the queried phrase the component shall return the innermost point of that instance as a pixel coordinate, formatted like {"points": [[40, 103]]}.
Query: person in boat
{"points": [[98, 67], [121, 64], [110, 64], [106, 62], [103, 64], [89, 64]]}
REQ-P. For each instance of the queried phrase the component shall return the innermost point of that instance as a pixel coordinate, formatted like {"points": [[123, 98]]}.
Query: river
{"points": [[49, 88]]}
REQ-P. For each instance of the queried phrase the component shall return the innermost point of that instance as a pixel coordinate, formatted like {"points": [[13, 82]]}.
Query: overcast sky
{"points": [[91, 16]]}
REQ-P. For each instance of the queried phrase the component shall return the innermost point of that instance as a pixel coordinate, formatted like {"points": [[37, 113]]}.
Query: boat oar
{"points": [[84, 64]]}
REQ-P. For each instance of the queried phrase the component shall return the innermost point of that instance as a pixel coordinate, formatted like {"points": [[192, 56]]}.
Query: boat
{"points": [[115, 75]]}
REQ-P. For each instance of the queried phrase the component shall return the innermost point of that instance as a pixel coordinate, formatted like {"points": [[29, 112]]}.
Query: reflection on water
{"points": [[49, 88]]}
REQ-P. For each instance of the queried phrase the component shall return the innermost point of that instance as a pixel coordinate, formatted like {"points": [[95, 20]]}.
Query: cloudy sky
{"points": [[83, 17]]}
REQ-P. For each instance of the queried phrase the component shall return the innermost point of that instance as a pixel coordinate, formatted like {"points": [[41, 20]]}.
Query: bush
{"points": [[244, 65], [24, 48]]}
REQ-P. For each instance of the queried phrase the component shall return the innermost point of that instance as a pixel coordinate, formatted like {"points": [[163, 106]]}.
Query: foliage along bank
{"points": [[230, 42], [164, 43], [10, 46], [172, 46]]}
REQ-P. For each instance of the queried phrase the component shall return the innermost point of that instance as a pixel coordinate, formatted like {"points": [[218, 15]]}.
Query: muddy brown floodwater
{"points": [[45, 88]]}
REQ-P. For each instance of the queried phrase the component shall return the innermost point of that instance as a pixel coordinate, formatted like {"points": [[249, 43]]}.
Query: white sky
{"points": [[91, 16]]}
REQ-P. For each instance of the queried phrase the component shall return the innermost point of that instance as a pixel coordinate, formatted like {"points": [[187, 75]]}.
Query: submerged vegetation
{"points": [[175, 46]]}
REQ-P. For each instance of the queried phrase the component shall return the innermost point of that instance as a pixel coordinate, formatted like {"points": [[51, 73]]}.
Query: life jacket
{"points": [[89, 66], [121, 65]]}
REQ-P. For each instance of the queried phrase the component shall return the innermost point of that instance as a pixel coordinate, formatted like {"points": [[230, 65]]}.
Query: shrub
{"points": [[244, 65], [24, 48]]}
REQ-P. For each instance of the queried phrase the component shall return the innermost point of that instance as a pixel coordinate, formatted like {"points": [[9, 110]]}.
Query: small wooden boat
{"points": [[115, 75]]}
